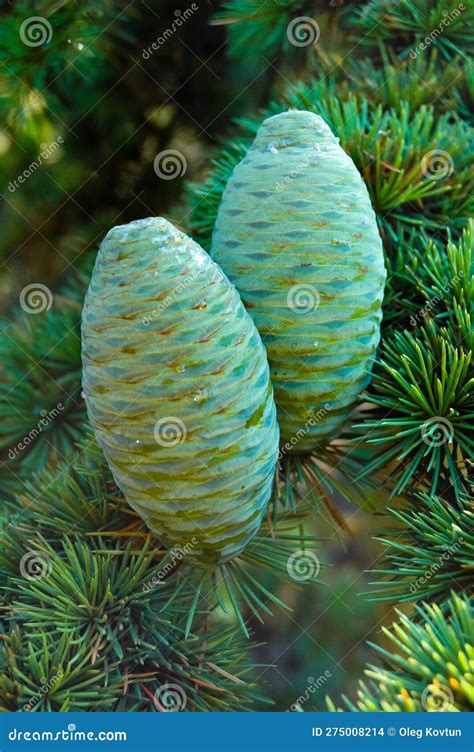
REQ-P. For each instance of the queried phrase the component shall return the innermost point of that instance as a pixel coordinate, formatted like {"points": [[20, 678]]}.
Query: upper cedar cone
{"points": [[297, 235]]}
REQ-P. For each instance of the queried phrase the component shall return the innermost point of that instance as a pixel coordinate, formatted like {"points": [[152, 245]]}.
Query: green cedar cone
{"points": [[178, 391], [297, 235]]}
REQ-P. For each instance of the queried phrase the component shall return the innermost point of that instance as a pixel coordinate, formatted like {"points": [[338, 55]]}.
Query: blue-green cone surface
{"points": [[178, 392], [297, 235]]}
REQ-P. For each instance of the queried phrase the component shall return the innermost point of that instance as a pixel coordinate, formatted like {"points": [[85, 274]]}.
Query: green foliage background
{"points": [[92, 628]]}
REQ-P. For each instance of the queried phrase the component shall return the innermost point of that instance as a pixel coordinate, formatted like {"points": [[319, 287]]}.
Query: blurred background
{"points": [[87, 104], [85, 114]]}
